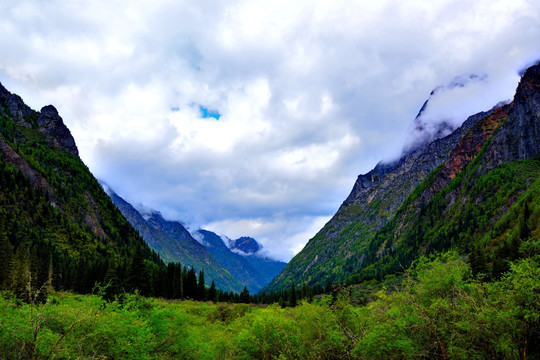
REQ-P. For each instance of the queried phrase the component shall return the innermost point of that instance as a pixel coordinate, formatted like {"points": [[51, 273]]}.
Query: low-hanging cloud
{"points": [[309, 94]]}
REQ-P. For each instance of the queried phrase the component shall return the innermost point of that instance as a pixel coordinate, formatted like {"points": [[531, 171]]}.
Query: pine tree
{"points": [[292, 296], [112, 283], [168, 286], [201, 289], [178, 282], [244, 296], [80, 283], [190, 285], [212, 293], [138, 274]]}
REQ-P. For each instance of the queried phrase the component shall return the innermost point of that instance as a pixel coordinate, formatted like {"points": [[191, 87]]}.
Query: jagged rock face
{"points": [[48, 121], [372, 203], [16, 106], [512, 143], [389, 184], [52, 125]]}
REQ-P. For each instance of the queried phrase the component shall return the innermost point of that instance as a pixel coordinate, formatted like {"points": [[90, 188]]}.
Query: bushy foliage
{"points": [[439, 312]]}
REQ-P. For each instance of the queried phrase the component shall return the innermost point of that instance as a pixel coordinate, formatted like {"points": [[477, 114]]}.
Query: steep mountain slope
{"points": [[53, 211], [470, 190], [250, 269], [175, 244]]}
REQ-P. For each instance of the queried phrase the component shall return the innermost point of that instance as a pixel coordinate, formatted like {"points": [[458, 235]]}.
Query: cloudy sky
{"points": [[255, 117]]}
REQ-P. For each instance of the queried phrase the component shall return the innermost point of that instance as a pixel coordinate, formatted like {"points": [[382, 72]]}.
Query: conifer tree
{"points": [[201, 289], [178, 282], [244, 296], [138, 274], [80, 283], [212, 293], [112, 283], [190, 285], [292, 296]]}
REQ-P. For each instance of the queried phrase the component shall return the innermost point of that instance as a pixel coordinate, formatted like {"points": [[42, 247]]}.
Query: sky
{"points": [[254, 118]]}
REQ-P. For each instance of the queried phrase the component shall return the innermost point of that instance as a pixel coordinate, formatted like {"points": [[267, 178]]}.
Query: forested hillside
{"points": [[59, 229]]}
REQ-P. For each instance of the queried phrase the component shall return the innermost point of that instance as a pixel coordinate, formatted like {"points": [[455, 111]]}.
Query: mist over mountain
{"points": [[250, 268], [469, 190]]}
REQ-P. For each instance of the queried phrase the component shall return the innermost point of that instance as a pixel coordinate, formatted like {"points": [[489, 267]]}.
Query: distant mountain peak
{"points": [[245, 245], [241, 257]]}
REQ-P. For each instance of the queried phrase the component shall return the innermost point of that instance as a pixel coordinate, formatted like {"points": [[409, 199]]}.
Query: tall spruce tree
{"points": [[212, 293], [138, 273], [292, 296], [190, 285], [244, 296], [201, 289]]}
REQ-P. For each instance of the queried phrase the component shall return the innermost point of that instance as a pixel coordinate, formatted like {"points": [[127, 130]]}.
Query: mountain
{"points": [[249, 267], [475, 190], [245, 245], [230, 270], [175, 244], [253, 253], [55, 217]]}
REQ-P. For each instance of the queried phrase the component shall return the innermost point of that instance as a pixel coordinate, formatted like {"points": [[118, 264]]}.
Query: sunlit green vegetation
{"points": [[439, 312]]}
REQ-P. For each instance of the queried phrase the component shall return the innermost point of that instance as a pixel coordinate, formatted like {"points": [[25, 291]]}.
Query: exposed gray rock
{"points": [[519, 136], [56, 132], [48, 121]]}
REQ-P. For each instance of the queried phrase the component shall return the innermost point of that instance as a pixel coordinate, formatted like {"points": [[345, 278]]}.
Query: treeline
{"points": [[31, 271]]}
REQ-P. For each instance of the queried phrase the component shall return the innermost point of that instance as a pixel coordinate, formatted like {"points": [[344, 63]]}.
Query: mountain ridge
{"points": [[384, 206], [175, 244], [251, 269]]}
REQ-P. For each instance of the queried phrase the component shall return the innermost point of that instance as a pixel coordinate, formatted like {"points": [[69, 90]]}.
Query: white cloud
{"points": [[310, 94]]}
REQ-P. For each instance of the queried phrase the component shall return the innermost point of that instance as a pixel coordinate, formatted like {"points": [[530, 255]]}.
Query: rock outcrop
{"points": [[56, 132], [48, 122]]}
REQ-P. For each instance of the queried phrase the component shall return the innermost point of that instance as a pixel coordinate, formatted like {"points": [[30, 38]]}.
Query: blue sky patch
{"points": [[207, 113]]}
